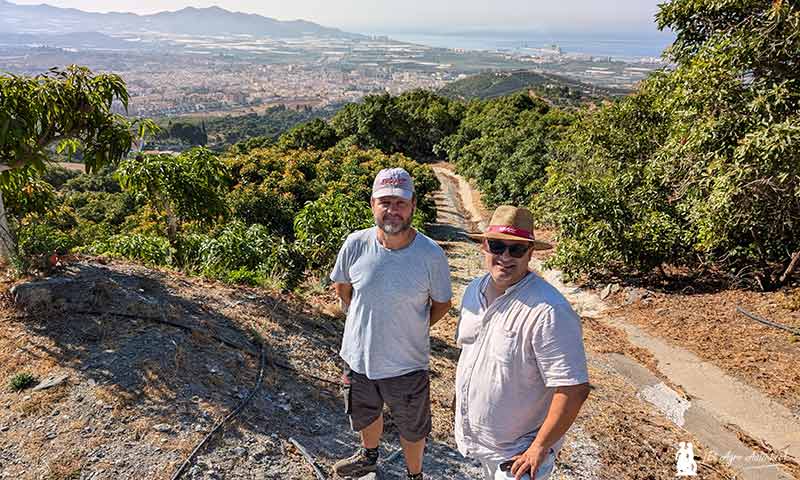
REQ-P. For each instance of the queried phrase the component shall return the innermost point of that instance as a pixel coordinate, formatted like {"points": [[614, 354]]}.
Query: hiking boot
{"points": [[358, 465]]}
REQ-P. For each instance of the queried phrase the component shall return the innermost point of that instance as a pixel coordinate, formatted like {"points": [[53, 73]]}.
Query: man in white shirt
{"points": [[522, 374]]}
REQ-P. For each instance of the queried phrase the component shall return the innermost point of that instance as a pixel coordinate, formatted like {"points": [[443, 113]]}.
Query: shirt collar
{"points": [[510, 290]]}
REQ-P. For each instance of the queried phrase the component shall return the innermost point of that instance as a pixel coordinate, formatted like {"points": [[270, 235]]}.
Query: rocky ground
{"points": [[152, 360]]}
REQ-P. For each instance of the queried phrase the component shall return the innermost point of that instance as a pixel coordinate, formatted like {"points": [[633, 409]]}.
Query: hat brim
{"points": [[393, 192], [537, 244]]}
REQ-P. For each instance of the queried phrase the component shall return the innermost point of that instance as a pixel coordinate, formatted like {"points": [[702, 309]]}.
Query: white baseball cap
{"points": [[393, 182]]}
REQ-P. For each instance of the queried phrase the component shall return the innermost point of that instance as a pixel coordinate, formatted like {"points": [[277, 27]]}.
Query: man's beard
{"points": [[394, 228]]}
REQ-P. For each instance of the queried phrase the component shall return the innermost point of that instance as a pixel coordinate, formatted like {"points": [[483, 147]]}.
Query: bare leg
{"points": [[371, 436], [413, 452]]}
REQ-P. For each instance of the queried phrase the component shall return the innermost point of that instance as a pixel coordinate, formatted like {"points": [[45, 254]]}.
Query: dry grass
{"points": [[40, 403], [115, 396], [67, 465], [792, 300]]}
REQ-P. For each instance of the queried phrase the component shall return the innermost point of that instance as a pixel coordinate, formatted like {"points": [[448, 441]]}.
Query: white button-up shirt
{"points": [[514, 353]]}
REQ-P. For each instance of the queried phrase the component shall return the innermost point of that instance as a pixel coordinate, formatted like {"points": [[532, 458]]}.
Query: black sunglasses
{"points": [[506, 466], [517, 250]]}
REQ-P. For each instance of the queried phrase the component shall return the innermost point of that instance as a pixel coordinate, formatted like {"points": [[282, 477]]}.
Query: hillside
{"points": [[179, 133], [187, 21], [557, 89], [145, 363]]}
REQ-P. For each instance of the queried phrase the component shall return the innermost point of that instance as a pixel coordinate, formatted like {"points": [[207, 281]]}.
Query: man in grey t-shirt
{"points": [[394, 283]]}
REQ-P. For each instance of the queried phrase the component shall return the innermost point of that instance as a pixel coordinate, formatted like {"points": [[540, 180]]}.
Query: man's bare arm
{"points": [[345, 293], [564, 408], [439, 310]]}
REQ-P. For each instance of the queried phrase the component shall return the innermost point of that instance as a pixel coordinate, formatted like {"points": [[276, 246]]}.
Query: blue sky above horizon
{"points": [[430, 16]]}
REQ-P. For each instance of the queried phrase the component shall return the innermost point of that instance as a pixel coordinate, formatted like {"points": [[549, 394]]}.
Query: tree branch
{"points": [[791, 268]]}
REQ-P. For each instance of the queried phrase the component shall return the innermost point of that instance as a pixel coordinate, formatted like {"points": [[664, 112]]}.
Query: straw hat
{"points": [[511, 223]]}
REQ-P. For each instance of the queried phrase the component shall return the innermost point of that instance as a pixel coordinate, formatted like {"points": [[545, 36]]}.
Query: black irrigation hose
{"points": [[244, 403], [755, 317], [222, 422]]}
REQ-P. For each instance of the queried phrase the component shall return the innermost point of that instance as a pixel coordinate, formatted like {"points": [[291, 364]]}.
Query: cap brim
{"points": [[392, 192], [537, 244]]}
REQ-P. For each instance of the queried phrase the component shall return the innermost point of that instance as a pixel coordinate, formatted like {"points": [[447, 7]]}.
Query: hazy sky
{"points": [[370, 16]]}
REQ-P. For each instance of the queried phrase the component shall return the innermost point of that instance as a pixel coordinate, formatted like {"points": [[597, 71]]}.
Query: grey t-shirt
{"points": [[386, 332]]}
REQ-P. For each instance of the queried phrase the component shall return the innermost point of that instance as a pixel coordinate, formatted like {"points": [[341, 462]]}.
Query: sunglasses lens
{"points": [[496, 247]]}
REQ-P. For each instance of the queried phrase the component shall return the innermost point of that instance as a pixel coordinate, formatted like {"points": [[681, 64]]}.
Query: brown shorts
{"points": [[408, 398]]}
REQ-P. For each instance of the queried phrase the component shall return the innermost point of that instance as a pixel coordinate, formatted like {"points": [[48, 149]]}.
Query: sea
{"points": [[619, 46]]}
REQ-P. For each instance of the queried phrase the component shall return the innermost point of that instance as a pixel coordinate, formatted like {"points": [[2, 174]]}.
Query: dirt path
{"points": [[720, 412]]}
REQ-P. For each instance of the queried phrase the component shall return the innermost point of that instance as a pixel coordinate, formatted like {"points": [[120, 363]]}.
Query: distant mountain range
{"points": [[48, 20], [80, 40]]}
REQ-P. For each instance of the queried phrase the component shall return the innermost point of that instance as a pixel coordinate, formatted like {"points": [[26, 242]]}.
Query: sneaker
{"points": [[356, 466]]}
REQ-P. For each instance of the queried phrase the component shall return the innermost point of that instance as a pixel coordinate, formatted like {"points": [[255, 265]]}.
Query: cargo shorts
{"points": [[408, 398]]}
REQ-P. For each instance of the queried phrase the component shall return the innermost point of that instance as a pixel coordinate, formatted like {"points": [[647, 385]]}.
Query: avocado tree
{"points": [[67, 110], [189, 186], [701, 166]]}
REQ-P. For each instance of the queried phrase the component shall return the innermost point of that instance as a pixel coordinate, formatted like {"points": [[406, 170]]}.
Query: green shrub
{"points": [[321, 227], [43, 239], [236, 246], [102, 180], [187, 250], [699, 168], [21, 381], [243, 276], [254, 204], [286, 266], [148, 249], [411, 123], [611, 215], [27, 194], [57, 176], [101, 207], [316, 134], [503, 144], [253, 255]]}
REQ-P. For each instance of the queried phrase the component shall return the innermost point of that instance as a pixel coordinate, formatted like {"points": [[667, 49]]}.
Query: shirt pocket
{"points": [[504, 345]]}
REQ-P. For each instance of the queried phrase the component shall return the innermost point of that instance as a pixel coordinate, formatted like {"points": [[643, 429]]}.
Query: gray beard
{"points": [[394, 229]]}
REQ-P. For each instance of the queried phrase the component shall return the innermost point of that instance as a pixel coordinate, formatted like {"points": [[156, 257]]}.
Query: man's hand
{"points": [[564, 407], [345, 293], [528, 462]]}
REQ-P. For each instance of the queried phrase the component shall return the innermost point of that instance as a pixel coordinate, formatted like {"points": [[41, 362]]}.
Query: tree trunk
{"points": [[172, 225], [7, 245]]}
